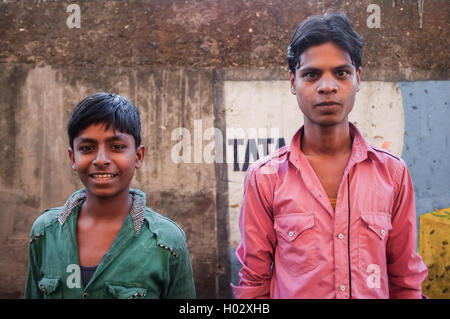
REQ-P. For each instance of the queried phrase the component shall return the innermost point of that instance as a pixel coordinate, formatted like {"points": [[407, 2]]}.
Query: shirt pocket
{"points": [[51, 287], [297, 242], [373, 234], [125, 291]]}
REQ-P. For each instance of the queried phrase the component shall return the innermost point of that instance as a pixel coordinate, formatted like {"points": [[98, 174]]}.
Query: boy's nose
{"points": [[102, 158]]}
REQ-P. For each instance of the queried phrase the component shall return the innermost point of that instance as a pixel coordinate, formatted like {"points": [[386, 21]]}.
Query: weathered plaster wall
{"points": [[426, 148], [216, 33], [35, 171]]}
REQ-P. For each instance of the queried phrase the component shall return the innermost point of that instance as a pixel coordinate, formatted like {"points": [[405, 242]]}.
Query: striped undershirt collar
{"points": [[137, 209]]}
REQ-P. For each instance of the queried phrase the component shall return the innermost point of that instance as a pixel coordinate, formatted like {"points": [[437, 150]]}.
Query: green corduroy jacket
{"points": [[153, 262]]}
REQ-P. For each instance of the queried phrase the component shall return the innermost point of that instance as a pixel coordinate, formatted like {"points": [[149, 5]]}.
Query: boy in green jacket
{"points": [[104, 242]]}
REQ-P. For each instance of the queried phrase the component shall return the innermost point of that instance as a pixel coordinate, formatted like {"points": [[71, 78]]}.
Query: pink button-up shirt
{"points": [[294, 245]]}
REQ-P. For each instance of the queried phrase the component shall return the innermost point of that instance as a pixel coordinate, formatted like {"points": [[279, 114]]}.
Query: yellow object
{"points": [[434, 238], [332, 202]]}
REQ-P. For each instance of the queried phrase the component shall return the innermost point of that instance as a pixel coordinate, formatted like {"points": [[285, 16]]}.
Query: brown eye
{"points": [[342, 73], [310, 75], [85, 148], [118, 147]]}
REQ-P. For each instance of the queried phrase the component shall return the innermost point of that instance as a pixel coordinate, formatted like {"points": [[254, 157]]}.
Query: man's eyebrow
{"points": [[344, 66], [310, 68]]}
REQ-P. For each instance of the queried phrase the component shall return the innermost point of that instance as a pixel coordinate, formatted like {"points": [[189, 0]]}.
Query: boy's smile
{"points": [[103, 177], [325, 84], [105, 160]]}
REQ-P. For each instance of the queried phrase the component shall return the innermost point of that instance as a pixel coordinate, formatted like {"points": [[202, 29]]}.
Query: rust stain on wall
{"points": [[237, 33]]}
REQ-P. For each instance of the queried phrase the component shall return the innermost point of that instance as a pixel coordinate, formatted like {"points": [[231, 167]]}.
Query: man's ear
{"points": [[292, 80], [358, 78], [140, 153], [72, 158]]}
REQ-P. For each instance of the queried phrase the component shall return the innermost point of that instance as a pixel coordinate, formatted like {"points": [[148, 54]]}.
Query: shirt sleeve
{"points": [[405, 267], [32, 290], [181, 276], [258, 239]]}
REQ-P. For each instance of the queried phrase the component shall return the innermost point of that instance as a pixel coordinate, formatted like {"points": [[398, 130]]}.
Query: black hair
{"points": [[330, 27], [110, 109]]}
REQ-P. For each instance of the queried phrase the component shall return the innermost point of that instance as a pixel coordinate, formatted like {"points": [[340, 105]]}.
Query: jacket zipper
{"points": [[348, 238]]}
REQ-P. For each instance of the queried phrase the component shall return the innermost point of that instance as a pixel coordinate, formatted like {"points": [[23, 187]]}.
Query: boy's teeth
{"points": [[104, 175]]}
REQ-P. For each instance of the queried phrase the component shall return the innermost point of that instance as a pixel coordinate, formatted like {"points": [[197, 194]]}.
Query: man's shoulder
{"points": [[387, 157], [271, 161], [393, 163], [384, 153], [169, 235]]}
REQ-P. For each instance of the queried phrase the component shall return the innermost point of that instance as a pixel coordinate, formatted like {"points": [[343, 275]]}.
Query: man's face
{"points": [[325, 84], [105, 160]]}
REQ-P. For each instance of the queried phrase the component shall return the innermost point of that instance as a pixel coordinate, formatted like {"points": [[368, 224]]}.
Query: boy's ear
{"points": [[140, 153], [72, 158]]}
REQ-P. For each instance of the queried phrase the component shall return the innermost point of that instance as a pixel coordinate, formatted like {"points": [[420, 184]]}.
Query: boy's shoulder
{"points": [[45, 220], [169, 235]]}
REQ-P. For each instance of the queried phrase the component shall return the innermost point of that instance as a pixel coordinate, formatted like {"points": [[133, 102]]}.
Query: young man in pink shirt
{"points": [[328, 216]]}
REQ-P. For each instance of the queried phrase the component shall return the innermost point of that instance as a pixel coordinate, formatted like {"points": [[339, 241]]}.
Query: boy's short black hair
{"points": [[330, 27], [107, 108]]}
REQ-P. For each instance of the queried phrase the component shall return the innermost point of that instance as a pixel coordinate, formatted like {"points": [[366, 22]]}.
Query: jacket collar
{"points": [[137, 212]]}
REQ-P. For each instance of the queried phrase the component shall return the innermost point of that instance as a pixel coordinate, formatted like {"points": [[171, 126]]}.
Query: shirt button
{"points": [[291, 234], [43, 288], [342, 287], [84, 295], [340, 236], [383, 232]]}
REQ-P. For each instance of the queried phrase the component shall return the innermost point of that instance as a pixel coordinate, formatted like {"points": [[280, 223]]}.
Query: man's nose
{"points": [[327, 85], [102, 157]]}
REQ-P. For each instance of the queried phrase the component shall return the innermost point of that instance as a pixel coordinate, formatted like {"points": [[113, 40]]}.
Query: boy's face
{"points": [[105, 160], [325, 84]]}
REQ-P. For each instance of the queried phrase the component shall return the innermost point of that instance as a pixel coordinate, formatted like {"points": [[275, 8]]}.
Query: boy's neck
{"points": [[108, 208], [328, 141]]}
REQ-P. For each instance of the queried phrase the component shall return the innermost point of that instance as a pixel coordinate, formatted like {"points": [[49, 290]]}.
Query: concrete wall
{"points": [[201, 65], [426, 147], [35, 171]]}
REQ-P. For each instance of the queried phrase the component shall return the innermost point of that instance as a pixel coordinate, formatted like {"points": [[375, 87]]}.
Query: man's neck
{"points": [[326, 141], [115, 208]]}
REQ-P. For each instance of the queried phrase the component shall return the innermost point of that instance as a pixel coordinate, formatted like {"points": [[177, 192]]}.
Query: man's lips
{"points": [[328, 103]]}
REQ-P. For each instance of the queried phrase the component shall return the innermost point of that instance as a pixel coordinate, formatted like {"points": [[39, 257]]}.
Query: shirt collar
{"points": [[137, 212], [360, 149]]}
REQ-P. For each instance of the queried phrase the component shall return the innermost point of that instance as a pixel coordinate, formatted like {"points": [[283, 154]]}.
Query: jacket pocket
{"points": [[125, 291], [373, 234], [297, 242], [50, 287]]}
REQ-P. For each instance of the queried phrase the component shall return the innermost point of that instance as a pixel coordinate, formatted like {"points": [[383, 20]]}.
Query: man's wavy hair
{"points": [[330, 27]]}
